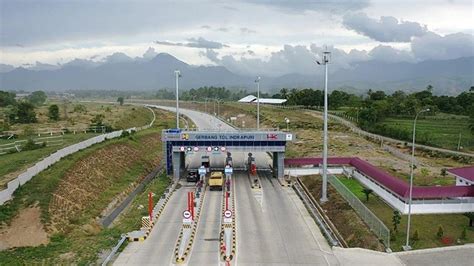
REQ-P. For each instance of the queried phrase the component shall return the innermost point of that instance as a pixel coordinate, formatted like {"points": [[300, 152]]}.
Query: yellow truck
{"points": [[216, 181]]}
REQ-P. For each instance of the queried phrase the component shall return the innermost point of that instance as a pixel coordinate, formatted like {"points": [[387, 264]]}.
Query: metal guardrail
{"points": [[114, 250], [333, 237]]}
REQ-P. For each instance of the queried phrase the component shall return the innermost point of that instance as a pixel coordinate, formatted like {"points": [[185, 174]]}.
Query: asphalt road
{"points": [[158, 248], [279, 231], [206, 244]]}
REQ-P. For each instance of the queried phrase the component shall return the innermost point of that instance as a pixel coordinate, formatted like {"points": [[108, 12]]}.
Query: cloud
{"points": [[301, 59], [117, 58], [451, 46], [195, 43], [333, 6], [6, 68], [389, 54], [387, 29], [150, 53], [245, 30], [223, 29], [207, 27]]}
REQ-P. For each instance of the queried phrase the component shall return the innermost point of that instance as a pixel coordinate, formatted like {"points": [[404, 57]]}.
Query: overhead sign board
{"points": [[227, 136]]}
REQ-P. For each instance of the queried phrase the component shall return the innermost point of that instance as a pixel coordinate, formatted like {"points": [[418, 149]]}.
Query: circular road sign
{"points": [[223, 149], [228, 214], [182, 148], [209, 149], [187, 214], [196, 149]]}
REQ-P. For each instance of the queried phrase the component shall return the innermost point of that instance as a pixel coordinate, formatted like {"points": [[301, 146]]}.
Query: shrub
{"points": [[440, 232], [415, 236], [31, 145], [464, 233]]}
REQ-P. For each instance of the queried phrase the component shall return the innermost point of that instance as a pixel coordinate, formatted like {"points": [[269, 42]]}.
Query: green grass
{"points": [[82, 243], [441, 130], [18, 161], [427, 224]]}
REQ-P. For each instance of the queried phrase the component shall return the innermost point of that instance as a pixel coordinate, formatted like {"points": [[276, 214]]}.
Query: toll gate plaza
{"points": [[179, 143]]}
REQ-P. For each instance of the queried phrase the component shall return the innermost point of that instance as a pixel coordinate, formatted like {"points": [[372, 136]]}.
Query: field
{"points": [[441, 130], [71, 196], [119, 117], [427, 225]]}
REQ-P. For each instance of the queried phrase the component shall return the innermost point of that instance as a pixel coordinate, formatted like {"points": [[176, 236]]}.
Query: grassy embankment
{"points": [[73, 193], [119, 117]]}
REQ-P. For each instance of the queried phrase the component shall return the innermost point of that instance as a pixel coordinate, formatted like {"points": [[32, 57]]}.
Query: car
{"points": [[192, 176], [216, 181]]}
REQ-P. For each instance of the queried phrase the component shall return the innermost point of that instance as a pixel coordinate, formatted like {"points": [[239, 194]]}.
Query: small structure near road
{"points": [[253, 99], [464, 175]]}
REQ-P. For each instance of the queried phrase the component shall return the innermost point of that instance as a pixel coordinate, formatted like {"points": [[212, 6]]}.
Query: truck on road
{"points": [[216, 181]]}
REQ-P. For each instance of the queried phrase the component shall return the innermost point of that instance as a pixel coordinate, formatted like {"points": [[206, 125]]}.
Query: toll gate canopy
{"points": [[178, 142]]}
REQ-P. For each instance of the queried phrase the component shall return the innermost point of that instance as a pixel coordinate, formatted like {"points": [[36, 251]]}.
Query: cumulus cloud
{"points": [[389, 54], [451, 46], [387, 29], [150, 53], [195, 43], [117, 58]]}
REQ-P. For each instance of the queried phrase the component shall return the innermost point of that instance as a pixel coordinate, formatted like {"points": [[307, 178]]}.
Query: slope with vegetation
{"points": [[73, 194]]}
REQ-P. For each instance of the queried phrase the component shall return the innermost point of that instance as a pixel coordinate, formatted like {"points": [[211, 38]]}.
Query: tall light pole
{"points": [[325, 61], [258, 102], [177, 74], [407, 244]]}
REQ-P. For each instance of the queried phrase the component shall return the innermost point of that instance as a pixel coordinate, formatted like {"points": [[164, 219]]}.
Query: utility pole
{"points": [[325, 61], [177, 73], [258, 102], [459, 141]]}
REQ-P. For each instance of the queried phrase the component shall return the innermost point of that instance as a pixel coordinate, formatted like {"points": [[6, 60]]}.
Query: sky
{"points": [[276, 37]]}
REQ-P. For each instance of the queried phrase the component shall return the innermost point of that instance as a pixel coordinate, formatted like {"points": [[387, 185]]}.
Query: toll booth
{"points": [[177, 142]]}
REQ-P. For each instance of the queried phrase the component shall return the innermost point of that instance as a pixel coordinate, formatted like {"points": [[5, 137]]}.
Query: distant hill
{"points": [[447, 77]]}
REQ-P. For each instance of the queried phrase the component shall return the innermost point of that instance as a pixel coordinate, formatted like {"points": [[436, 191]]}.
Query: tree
{"points": [[367, 192], [470, 215], [7, 98], [396, 218], [53, 112], [37, 98], [120, 100], [26, 113]]}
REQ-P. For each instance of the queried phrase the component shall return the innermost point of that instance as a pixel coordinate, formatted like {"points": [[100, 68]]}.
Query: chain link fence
{"points": [[374, 223]]}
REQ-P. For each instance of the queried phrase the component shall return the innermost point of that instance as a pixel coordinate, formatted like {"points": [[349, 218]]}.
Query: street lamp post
{"points": [[258, 102], [177, 73], [407, 244], [325, 61]]}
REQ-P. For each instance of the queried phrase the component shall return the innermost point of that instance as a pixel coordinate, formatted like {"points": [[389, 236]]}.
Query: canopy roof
{"points": [[391, 183], [463, 172]]}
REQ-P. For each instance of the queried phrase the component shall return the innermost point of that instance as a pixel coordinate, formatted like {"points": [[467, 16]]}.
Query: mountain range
{"points": [[446, 76]]}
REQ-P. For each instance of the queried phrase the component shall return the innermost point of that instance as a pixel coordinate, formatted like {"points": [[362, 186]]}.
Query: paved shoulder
{"points": [[449, 256]]}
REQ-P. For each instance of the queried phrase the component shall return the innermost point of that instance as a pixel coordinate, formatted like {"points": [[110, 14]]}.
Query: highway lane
{"points": [[158, 248], [276, 232], [206, 244]]}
